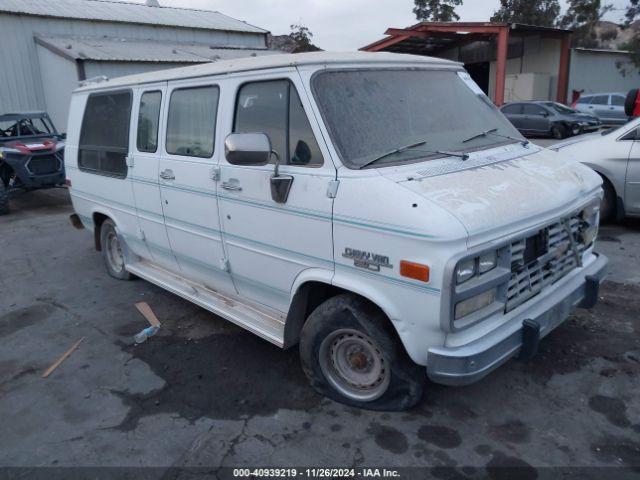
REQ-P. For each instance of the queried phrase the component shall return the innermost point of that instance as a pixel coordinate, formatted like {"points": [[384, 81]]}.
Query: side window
{"points": [[303, 148], [585, 100], [514, 109], [191, 123], [274, 108], [104, 135], [148, 120], [600, 100], [632, 135], [617, 100], [530, 109]]}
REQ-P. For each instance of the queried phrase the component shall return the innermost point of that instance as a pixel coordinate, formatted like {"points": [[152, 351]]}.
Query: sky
{"points": [[340, 25]]}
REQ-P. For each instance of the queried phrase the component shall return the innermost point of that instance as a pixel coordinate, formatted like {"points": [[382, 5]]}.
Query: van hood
{"points": [[516, 192]]}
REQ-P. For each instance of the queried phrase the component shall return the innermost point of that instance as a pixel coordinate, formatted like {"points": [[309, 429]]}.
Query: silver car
{"points": [[608, 107], [615, 155]]}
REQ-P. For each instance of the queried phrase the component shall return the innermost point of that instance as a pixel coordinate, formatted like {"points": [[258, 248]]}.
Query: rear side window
{"points": [[275, 108], [600, 100], [514, 109], [617, 100], [191, 124], [148, 120], [585, 100], [104, 135]]}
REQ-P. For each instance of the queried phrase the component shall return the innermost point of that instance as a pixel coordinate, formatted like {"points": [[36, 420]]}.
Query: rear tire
{"points": [[112, 251], [608, 204], [351, 354], [558, 132], [4, 199]]}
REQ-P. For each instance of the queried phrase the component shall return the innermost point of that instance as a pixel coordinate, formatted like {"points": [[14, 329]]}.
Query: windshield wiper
{"points": [[463, 156], [492, 131], [393, 152]]}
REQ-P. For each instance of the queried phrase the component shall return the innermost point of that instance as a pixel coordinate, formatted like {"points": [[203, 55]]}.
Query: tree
{"points": [[582, 17], [542, 12], [436, 10], [301, 38], [633, 45]]}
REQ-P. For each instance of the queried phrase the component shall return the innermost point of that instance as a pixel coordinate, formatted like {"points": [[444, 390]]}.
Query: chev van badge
{"points": [[368, 260]]}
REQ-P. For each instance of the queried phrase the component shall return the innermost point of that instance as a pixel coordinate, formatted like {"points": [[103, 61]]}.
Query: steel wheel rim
{"points": [[114, 252], [354, 365]]}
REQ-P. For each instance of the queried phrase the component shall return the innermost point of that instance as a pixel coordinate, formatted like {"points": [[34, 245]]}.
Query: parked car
{"points": [[549, 118], [615, 155], [330, 201], [31, 154], [608, 107]]}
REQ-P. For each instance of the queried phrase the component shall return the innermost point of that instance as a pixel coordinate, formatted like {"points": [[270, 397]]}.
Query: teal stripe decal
{"points": [[192, 260]]}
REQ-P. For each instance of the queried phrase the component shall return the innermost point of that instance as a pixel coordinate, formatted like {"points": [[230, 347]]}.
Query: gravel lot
{"points": [[204, 393]]}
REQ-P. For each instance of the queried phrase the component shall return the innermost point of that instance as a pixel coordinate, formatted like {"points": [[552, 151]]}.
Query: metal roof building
{"points": [[49, 46]]}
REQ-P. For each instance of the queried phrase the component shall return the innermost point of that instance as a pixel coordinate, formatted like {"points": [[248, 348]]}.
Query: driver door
{"points": [[632, 182], [271, 244]]}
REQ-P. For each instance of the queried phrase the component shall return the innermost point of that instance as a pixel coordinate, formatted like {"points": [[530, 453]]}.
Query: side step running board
{"points": [[268, 324]]}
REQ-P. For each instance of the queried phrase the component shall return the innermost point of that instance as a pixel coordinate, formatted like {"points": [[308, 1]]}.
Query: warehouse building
{"points": [[50, 46]]}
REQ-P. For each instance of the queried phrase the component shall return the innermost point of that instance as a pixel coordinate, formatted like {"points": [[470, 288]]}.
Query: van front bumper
{"points": [[469, 363]]}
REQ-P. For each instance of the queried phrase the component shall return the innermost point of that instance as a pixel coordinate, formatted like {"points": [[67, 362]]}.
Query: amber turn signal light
{"points": [[417, 271]]}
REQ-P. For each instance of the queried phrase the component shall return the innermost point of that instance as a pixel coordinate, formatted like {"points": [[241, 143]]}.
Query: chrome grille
{"points": [[563, 252]]}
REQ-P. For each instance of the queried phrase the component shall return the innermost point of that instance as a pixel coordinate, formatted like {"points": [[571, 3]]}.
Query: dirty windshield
{"points": [[372, 112]]}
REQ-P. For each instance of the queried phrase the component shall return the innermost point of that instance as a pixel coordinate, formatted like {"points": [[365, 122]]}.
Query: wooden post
{"points": [[501, 65]]}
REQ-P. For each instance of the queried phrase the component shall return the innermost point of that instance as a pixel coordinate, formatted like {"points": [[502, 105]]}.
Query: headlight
{"points": [[470, 267], [466, 269], [590, 221], [473, 304], [1, 154], [487, 261]]}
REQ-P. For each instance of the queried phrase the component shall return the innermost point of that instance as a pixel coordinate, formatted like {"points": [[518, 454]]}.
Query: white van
{"points": [[375, 208]]}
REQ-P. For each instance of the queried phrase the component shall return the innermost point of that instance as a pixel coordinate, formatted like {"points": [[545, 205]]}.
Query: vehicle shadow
{"points": [[44, 201]]}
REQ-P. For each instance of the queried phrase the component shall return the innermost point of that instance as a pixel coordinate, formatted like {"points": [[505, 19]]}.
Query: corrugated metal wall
{"points": [[20, 80], [596, 71]]}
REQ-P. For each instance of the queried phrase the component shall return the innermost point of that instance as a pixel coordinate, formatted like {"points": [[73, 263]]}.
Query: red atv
{"points": [[31, 154]]}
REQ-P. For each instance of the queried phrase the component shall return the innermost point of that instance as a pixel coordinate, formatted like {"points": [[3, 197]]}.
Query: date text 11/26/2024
{"points": [[315, 473]]}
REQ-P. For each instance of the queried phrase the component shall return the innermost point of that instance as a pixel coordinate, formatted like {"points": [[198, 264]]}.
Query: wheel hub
{"points": [[354, 365]]}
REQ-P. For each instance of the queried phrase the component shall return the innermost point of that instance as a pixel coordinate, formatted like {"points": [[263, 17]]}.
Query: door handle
{"points": [[167, 174], [232, 185]]}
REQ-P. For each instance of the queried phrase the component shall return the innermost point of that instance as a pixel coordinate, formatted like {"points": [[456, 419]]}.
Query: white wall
{"points": [[120, 69], [59, 77], [596, 72]]}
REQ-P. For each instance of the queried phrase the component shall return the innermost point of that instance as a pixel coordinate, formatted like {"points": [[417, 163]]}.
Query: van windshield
{"points": [[370, 113]]}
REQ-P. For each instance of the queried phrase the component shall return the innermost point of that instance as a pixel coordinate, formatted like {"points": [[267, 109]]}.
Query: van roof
{"points": [[268, 62]]}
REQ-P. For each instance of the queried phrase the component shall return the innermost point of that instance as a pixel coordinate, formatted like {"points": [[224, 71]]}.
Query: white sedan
{"points": [[615, 155]]}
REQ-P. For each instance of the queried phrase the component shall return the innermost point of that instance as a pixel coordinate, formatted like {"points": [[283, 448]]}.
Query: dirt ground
{"points": [[204, 394]]}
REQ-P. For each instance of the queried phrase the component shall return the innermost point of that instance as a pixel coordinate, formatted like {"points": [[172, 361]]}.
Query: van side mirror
{"points": [[247, 148]]}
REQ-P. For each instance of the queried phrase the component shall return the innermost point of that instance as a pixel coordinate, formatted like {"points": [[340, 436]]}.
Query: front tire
{"points": [[4, 198], [608, 204], [351, 354], [112, 251]]}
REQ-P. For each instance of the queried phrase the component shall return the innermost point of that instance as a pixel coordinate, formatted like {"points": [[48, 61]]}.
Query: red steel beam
{"points": [[501, 65], [384, 43], [563, 68], [461, 29]]}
